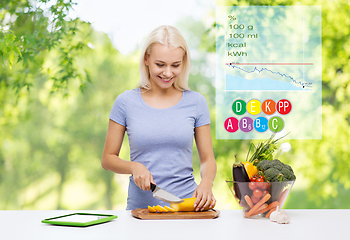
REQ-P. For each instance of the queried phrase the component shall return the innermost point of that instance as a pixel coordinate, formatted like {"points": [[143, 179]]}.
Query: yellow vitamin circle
{"points": [[254, 107]]}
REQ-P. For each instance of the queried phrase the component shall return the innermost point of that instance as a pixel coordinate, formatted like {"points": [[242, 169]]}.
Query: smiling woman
{"points": [[164, 65], [161, 118], [166, 44]]}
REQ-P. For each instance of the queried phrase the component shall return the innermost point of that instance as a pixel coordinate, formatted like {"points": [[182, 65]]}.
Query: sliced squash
{"points": [[151, 209], [160, 208], [169, 209], [186, 206]]}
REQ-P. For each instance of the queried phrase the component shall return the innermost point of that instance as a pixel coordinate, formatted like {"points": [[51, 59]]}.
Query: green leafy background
{"points": [[59, 78]]}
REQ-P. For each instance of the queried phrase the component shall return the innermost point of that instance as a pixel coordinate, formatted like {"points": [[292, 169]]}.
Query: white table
{"points": [[305, 224]]}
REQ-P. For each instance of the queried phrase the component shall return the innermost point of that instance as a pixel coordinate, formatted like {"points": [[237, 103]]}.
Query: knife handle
{"points": [[153, 187]]}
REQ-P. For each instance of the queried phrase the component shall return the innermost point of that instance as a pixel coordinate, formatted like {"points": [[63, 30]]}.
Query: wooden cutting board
{"points": [[143, 213]]}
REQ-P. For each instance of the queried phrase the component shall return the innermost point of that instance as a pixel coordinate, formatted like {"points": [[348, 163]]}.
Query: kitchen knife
{"points": [[164, 195]]}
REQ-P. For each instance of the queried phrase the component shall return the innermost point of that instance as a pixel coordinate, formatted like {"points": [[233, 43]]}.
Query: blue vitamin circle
{"points": [[261, 124]]}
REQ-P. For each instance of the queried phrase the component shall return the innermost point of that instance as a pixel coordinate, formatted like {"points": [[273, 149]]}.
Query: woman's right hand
{"points": [[142, 176]]}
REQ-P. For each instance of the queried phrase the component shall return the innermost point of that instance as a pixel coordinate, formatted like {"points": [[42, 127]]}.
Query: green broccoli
{"points": [[289, 168], [288, 174], [277, 164], [275, 171], [271, 174], [264, 165]]}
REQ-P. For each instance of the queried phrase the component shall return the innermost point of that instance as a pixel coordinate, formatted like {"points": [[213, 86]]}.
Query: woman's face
{"points": [[165, 65]]}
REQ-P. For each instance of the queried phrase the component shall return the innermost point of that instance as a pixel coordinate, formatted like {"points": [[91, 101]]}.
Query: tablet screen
{"points": [[79, 218]]}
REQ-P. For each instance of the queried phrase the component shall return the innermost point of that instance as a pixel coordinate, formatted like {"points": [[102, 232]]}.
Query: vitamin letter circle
{"points": [[276, 124], [261, 124], [284, 106], [239, 107], [268, 107], [231, 124], [246, 124], [254, 107]]}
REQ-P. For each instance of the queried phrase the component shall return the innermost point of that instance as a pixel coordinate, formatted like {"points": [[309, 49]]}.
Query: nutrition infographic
{"points": [[268, 72]]}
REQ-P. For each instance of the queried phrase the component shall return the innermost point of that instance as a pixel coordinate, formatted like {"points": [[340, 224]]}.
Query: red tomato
{"points": [[259, 182], [252, 185], [254, 199], [265, 186], [253, 179], [264, 193], [257, 193]]}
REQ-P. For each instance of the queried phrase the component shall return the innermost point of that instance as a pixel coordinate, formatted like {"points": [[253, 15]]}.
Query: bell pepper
{"points": [[250, 168]]}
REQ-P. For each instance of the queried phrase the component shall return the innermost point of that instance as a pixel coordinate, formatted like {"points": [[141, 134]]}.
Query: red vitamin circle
{"points": [[284, 106], [231, 124]]}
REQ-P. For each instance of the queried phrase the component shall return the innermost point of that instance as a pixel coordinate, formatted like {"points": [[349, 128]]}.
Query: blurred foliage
{"points": [[51, 143], [28, 30], [52, 133]]}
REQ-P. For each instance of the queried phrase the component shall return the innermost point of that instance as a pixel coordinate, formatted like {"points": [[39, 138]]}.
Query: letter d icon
{"points": [[239, 107]]}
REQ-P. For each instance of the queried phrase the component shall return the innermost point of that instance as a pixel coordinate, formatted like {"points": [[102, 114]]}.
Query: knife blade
{"points": [[164, 195]]}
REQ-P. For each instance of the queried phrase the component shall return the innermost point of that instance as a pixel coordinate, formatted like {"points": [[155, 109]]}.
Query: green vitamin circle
{"points": [[239, 107], [276, 124]]}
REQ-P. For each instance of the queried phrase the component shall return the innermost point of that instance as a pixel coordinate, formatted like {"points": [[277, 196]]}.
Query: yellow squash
{"points": [[185, 206]]}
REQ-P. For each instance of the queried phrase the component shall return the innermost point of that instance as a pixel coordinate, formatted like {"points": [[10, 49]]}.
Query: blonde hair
{"points": [[171, 37]]}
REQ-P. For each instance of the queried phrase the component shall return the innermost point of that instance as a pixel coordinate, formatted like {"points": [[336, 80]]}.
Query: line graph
{"points": [[266, 78], [290, 64]]}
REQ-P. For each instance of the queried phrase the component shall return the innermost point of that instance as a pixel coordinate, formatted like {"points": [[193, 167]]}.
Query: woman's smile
{"points": [[165, 79]]}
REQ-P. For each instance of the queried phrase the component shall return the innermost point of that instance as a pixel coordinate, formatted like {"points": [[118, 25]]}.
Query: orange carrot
{"points": [[271, 210], [259, 212], [273, 204], [283, 196], [265, 208], [258, 204], [249, 201], [261, 209]]}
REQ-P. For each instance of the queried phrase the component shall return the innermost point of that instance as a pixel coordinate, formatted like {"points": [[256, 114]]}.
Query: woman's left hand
{"points": [[205, 197]]}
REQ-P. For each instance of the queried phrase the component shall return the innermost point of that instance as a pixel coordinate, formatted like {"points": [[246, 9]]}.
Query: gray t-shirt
{"points": [[162, 140]]}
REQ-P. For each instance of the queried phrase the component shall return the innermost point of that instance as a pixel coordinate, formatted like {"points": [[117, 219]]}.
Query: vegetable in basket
{"points": [[250, 168], [239, 175], [264, 150], [276, 171]]}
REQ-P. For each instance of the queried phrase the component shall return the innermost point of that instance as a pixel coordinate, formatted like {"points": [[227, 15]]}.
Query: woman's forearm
{"points": [[115, 164]]}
